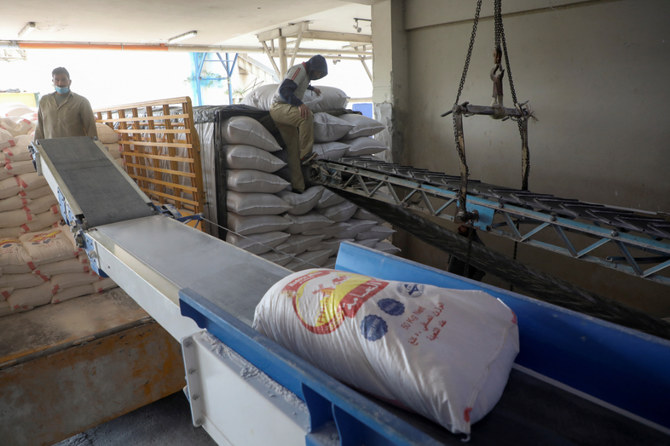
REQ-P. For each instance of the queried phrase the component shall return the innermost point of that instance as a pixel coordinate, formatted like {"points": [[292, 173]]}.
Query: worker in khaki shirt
{"points": [[64, 113]]}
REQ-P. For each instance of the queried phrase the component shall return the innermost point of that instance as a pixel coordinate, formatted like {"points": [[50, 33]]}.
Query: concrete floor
{"points": [[166, 422]]}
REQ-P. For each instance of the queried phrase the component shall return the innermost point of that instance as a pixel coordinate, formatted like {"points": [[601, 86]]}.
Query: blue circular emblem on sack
{"points": [[411, 289], [391, 306], [373, 327]]}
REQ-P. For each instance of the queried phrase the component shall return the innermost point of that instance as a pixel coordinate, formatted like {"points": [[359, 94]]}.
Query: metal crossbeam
{"points": [[634, 242]]}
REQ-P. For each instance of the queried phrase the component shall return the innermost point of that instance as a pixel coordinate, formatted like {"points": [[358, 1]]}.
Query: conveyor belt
{"points": [[93, 182], [631, 241], [162, 264]]}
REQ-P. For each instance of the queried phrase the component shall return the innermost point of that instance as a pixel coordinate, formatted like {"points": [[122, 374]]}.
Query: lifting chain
{"points": [[458, 124], [522, 122]]}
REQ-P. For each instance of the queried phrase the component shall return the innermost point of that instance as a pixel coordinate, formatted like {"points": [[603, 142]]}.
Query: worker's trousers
{"points": [[298, 135]]}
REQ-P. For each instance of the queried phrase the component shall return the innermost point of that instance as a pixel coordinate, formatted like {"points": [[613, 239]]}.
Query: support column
{"points": [[390, 95]]}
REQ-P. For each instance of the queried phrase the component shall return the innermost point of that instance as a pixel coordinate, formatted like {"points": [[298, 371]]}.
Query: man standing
{"points": [[64, 113], [294, 119]]}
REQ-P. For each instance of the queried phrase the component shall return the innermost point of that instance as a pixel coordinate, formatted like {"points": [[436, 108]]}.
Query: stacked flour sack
{"points": [[44, 267], [26, 202], [110, 139], [297, 230], [39, 263]]}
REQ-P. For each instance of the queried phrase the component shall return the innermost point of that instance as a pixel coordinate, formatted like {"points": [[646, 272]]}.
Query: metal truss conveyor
{"points": [[632, 241]]}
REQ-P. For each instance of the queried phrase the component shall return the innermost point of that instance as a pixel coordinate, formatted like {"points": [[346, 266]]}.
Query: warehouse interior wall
{"points": [[595, 74]]}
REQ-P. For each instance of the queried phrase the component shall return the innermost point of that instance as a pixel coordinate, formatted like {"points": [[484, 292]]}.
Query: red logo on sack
{"points": [[44, 237], [343, 299]]}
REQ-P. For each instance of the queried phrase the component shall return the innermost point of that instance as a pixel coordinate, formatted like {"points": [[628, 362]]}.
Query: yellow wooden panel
{"points": [[55, 396]]}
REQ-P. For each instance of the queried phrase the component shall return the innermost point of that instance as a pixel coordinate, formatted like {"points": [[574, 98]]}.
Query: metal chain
{"points": [[467, 58], [522, 122], [500, 37], [462, 192]]}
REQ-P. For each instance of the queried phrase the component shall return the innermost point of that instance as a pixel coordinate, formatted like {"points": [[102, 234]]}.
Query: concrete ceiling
{"points": [[153, 22]]}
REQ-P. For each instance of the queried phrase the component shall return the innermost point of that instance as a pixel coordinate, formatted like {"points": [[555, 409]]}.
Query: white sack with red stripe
{"points": [[445, 354]]}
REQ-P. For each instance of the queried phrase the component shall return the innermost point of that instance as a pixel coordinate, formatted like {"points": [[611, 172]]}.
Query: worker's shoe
{"points": [[307, 159]]}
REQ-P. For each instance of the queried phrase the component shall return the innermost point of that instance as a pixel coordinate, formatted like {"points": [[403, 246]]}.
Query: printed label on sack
{"points": [[44, 238], [339, 297]]}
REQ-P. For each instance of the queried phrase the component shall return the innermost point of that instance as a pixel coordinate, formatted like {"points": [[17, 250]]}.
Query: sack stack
{"points": [[297, 230], [39, 263]]}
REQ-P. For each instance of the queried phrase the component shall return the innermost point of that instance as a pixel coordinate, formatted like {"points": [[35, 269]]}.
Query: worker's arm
{"points": [[88, 119], [287, 92]]}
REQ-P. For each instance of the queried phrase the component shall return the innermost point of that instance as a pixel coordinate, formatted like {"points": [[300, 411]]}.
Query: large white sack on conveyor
{"points": [[329, 128], [240, 156], [445, 354], [248, 131]]}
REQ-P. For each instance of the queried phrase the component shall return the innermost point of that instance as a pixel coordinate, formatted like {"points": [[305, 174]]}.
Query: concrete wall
{"points": [[596, 74]]}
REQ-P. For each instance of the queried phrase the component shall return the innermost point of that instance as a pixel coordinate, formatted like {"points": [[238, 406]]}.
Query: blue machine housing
{"points": [[621, 368]]}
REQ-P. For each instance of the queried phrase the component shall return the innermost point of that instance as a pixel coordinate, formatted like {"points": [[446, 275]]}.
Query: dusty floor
{"points": [[166, 422]]}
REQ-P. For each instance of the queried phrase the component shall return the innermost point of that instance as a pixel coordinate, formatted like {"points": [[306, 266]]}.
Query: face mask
{"points": [[62, 90]]}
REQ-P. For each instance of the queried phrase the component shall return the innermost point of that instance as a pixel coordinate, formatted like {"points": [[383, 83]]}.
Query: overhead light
{"points": [[181, 37], [27, 29]]}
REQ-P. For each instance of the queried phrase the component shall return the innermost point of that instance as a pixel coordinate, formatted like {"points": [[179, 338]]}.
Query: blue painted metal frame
{"points": [[199, 60], [623, 367], [359, 421]]}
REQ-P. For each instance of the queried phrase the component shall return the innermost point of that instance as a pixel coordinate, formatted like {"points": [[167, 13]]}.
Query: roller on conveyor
{"points": [[576, 379]]}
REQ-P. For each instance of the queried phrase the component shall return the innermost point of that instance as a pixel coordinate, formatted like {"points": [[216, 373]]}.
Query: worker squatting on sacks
{"points": [[294, 119], [64, 113]]}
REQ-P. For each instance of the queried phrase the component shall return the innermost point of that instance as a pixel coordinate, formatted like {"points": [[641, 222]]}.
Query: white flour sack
{"points": [[445, 354]]}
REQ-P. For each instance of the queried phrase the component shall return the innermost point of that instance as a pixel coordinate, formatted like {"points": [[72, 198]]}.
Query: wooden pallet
{"points": [[160, 150]]}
